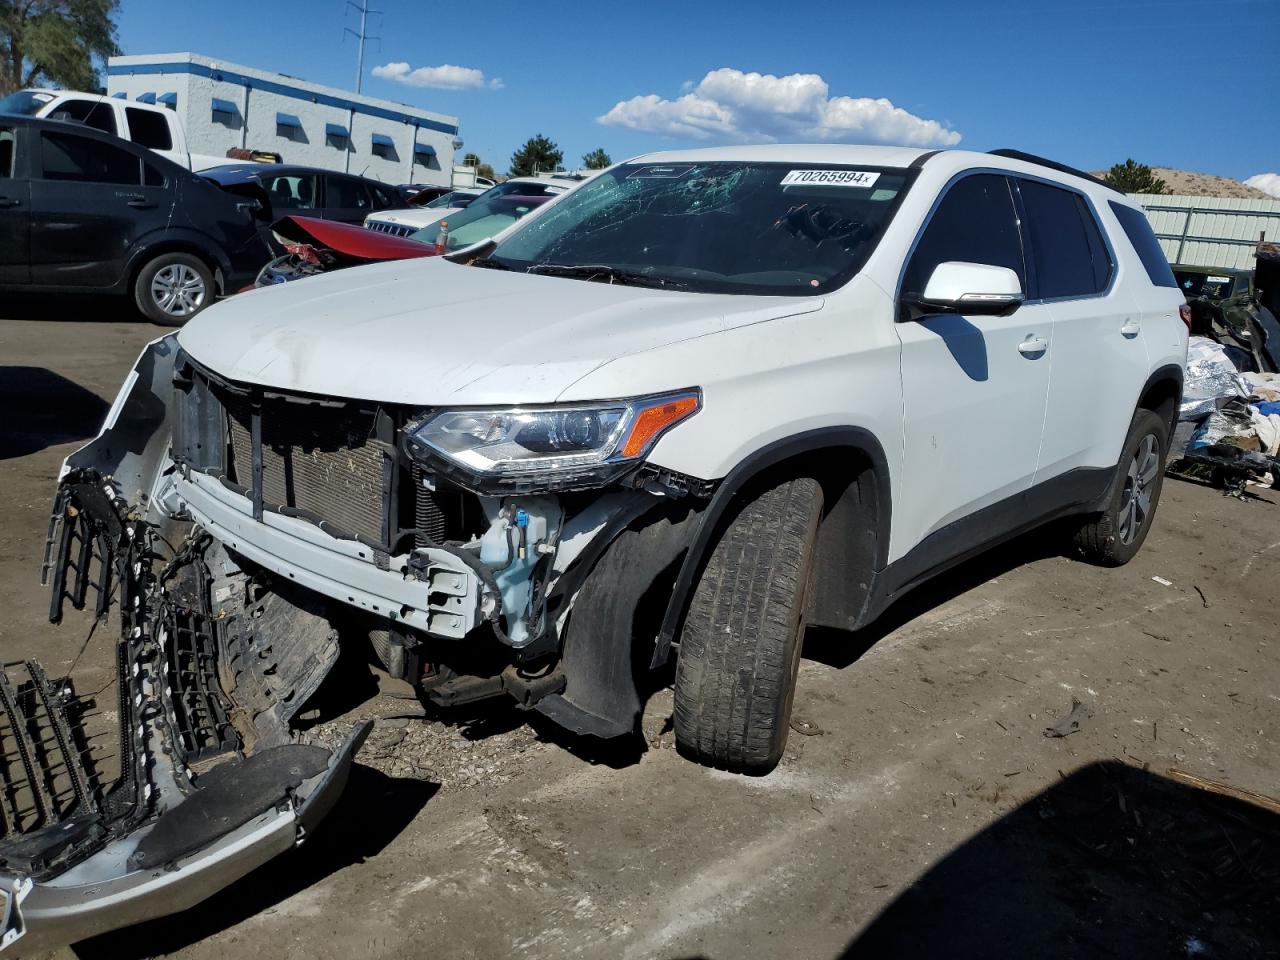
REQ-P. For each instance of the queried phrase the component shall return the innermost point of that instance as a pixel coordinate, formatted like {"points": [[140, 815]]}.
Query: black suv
{"points": [[87, 212]]}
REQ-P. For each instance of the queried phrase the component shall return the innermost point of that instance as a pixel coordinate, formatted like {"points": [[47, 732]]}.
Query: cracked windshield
{"points": [[712, 227]]}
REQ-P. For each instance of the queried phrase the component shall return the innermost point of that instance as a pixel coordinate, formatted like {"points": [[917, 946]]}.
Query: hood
{"points": [[429, 332], [348, 241]]}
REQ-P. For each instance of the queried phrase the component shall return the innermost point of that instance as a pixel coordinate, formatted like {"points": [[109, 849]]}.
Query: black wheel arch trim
{"points": [[852, 438], [177, 241], [1168, 372]]}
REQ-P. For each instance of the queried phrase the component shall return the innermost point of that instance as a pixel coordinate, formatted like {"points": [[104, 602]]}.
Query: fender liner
{"points": [[601, 659], [852, 438]]}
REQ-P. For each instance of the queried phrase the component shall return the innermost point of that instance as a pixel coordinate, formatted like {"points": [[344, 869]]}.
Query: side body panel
{"points": [[15, 203], [1100, 365], [82, 232]]}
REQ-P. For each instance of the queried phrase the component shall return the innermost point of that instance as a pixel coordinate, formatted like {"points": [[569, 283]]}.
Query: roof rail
{"points": [[1051, 164]]}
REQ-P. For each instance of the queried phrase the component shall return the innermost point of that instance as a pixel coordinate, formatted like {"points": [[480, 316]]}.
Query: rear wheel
{"points": [[1113, 537], [740, 647], [173, 288]]}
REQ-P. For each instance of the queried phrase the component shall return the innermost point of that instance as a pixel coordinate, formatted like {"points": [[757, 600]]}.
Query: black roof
{"points": [[1051, 164]]}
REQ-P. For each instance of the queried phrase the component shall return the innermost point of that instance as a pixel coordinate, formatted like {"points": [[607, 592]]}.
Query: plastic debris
{"points": [[1071, 722], [1211, 379]]}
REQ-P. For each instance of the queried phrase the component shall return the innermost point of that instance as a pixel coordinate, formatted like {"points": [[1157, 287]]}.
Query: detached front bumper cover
{"points": [[208, 782]]}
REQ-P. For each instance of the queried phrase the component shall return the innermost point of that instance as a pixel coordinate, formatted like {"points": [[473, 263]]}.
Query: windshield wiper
{"points": [[602, 271]]}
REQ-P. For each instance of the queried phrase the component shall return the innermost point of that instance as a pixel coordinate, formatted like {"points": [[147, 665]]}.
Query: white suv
{"points": [[704, 400]]}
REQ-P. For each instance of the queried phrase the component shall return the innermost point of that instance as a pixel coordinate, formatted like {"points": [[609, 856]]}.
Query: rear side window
{"points": [[291, 192], [1070, 258], [974, 223], [345, 194], [68, 157], [7, 152], [147, 129], [1144, 241], [92, 113]]}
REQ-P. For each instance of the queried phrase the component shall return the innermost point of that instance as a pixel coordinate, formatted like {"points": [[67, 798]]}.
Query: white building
{"points": [[224, 105]]}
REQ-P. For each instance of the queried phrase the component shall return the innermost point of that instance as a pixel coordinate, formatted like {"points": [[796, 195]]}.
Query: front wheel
{"points": [[1113, 537], [740, 646], [173, 288]]}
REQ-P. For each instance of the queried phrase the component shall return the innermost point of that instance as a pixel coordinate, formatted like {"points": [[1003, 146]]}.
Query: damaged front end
{"points": [[202, 779], [241, 530]]}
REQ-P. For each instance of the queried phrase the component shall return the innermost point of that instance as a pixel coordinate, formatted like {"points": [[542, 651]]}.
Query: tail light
{"points": [[1184, 311]]}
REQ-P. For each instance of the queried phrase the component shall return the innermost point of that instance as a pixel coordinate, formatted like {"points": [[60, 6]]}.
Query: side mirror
{"points": [[969, 288]]}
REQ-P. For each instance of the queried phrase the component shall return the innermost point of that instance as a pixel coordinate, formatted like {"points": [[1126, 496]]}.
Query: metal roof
{"points": [[1211, 231]]}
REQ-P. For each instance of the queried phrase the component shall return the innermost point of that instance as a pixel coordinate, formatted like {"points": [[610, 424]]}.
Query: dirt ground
{"points": [[920, 811]]}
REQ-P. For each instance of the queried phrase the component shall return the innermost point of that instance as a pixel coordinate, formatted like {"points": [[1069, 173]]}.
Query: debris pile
{"points": [[1229, 421]]}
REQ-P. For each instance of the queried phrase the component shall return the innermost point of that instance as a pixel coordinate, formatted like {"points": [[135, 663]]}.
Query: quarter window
{"points": [[68, 157], [1145, 244], [148, 129], [1070, 258], [974, 223]]}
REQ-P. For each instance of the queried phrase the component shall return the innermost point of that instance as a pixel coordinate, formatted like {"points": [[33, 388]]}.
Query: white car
{"points": [[409, 220], [705, 400]]}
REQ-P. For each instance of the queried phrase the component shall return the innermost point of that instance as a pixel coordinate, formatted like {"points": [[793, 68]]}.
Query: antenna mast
{"points": [[363, 8]]}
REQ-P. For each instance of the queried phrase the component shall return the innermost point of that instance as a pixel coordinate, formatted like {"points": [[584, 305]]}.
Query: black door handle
{"points": [[6, 202]]}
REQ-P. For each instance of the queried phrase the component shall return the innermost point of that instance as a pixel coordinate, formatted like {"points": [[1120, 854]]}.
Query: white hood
{"points": [[431, 332]]}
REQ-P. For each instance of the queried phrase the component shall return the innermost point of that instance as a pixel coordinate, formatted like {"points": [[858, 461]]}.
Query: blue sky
{"points": [[1181, 83]]}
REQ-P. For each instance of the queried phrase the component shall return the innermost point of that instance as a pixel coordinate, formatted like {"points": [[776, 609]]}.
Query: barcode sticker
{"points": [[831, 178]]}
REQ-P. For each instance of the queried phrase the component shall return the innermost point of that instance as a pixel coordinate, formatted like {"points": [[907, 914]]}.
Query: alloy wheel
{"points": [[178, 290], [1135, 500]]}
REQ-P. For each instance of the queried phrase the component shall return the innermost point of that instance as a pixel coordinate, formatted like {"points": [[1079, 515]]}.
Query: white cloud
{"points": [[1268, 183], [444, 77], [731, 105]]}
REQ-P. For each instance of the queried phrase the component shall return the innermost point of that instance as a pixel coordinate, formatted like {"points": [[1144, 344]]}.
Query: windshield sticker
{"points": [[831, 178], [1219, 279], [667, 172]]}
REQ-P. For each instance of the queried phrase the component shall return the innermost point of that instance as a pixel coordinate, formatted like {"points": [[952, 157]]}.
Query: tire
{"points": [[173, 288], [740, 646], [1113, 538]]}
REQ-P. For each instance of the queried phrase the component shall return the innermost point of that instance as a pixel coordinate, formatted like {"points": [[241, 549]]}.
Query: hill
{"points": [[1188, 183]]}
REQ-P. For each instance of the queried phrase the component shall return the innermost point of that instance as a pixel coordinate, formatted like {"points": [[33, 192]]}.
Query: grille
{"points": [[395, 229], [320, 459], [44, 779]]}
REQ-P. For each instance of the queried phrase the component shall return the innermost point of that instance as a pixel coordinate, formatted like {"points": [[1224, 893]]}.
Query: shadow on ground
{"points": [[1112, 861], [43, 409], [841, 648], [371, 812], [73, 308]]}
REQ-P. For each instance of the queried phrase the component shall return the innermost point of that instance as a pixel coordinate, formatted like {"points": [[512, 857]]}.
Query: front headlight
{"points": [[557, 447]]}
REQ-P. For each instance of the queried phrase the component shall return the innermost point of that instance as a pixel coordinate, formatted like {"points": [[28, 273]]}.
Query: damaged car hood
{"points": [[430, 331]]}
